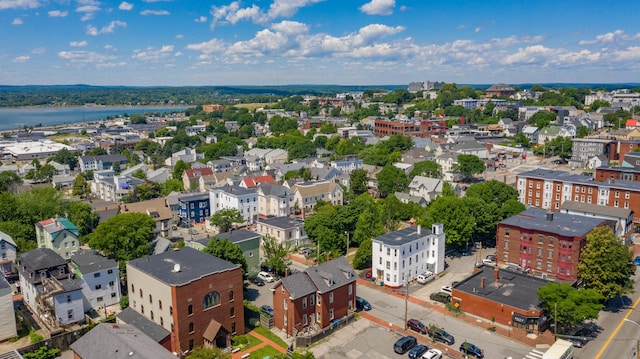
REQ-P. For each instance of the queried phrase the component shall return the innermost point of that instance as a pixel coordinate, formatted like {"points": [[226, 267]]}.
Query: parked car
{"points": [[586, 332], [578, 342], [472, 350], [305, 251], [369, 274], [488, 262], [441, 297], [417, 351], [267, 309], [432, 354], [636, 261], [441, 335], [266, 277], [362, 304], [491, 257], [418, 326], [425, 277], [256, 280], [404, 344], [446, 289]]}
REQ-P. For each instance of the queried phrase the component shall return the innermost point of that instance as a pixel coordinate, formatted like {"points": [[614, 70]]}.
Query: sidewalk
{"points": [[264, 343]]}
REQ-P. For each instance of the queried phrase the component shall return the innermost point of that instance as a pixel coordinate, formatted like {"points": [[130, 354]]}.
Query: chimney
{"points": [[496, 274], [419, 230], [481, 282], [166, 204], [549, 216]]}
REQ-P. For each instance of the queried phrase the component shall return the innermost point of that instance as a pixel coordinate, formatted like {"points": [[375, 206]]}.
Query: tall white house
{"points": [[100, 279], [244, 200], [398, 257]]}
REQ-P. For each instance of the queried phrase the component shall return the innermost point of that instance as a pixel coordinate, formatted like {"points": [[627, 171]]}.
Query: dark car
{"points": [[585, 332], [472, 350], [404, 344], [257, 281], [440, 297], [440, 335], [362, 304], [417, 351], [415, 324], [578, 342], [267, 309]]}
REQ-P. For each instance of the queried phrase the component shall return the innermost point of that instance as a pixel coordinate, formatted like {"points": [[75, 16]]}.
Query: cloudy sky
{"points": [[345, 42]]}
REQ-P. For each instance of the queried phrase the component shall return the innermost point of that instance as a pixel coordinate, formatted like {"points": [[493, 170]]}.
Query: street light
{"points": [[347, 233]]}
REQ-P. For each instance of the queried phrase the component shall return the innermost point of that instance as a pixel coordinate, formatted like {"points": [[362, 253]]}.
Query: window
{"points": [[539, 264], [99, 299], [388, 265], [191, 328], [331, 297], [506, 244], [68, 299], [113, 295], [311, 298], [96, 275], [111, 284], [161, 321], [318, 299], [140, 291], [285, 305], [549, 266], [210, 300], [133, 289], [160, 304], [98, 286], [170, 310], [540, 238], [191, 344], [150, 299], [232, 312], [539, 252], [231, 296], [142, 308], [233, 327], [304, 319], [318, 317], [152, 315], [350, 289], [388, 251], [190, 309], [550, 254], [331, 314], [70, 314], [304, 303], [551, 241]]}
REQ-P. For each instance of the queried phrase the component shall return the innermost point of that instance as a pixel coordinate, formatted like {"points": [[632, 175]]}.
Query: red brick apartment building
{"points": [[312, 299], [421, 128], [194, 295], [548, 189], [546, 244]]}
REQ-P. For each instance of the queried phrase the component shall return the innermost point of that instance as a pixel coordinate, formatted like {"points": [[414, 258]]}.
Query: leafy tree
{"points": [[116, 167], [80, 187], [453, 213], [541, 119], [23, 234], [595, 105], [369, 226], [569, 305], [604, 264], [326, 228], [42, 353], [98, 151], [224, 249], [295, 355], [209, 353], [358, 180], [9, 181], [448, 190], [140, 174], [583, 131], [275, 254], [124, 237], [362, 259], [328, 127], [224, 218], [492, 192], [172, 185], [426, 168], [469, 165], [83, 216], [523, 140], [147, 190], [124, 302], [279, 124], [64, 156], [391, 179]]}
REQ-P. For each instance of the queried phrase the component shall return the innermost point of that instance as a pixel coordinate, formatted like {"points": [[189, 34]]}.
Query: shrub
{"points": [[35, 337]]}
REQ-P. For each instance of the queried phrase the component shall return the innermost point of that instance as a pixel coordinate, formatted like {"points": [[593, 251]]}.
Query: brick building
{"points": [[546, 244], [196, 296], [421, 128], [311, 300]]}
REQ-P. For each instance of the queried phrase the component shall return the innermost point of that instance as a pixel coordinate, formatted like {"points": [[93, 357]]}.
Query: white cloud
{"points": [[531, 55], [58, 13], [378, 7], [108, 47], [17, 21], [233, 13], [38, 50], [178, 54], [110, 65], [125, 6], [179, 36], [617, 36], [290, 27], [108, 29], [154, 12], [19, 4], [201, 19], [152, 54], [208, 47], [21, 59], [89, 9], [288, 8], [85, 56], [78, 43]]}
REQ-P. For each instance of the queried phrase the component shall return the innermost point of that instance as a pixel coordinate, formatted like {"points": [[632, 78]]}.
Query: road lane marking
{"points": [[606, 343]]}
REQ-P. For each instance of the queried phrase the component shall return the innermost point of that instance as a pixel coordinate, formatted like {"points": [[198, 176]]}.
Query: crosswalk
{"points": [[534, 354]]}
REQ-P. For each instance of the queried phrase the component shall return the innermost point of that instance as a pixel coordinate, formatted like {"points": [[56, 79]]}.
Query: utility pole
{"points": [[555, 324], [406, 302], [347, 233]]}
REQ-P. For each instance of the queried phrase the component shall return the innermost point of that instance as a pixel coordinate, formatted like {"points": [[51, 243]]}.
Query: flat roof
{"points": [[402, 236], [596, 209], [282, 222], [562, 176], [570, 225]]}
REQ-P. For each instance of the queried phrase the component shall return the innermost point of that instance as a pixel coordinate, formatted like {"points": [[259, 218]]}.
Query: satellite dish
{"points": [[176, 267]]}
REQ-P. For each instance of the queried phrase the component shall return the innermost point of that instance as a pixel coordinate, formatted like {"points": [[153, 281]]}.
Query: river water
{"points": [[16, 118]]}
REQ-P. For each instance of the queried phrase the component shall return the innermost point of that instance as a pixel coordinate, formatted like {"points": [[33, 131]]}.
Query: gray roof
{"points": [[596, 209], [118, 341], [151, 329], [563, 224], [402, 236], [236, 190], [71, 284], [332, 274], [298, 285], [161, 245], [90, 261], [514, 289], [104, 158], [273, 189], [13, 354], [562, 176], [239, 235], [194, 197], [193, 265], [282, 222], [7, 238], [3, 283], [41, 258]]}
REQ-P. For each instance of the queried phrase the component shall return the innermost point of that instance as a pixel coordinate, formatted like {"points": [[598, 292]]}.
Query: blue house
{"points": [[193, 208]]}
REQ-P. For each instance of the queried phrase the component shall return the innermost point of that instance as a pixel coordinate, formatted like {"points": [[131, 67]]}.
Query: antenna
{"points": [[176, 267]]}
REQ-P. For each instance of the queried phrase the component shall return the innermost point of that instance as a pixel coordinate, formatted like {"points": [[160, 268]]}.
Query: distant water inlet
{"points": [[16, 118]]}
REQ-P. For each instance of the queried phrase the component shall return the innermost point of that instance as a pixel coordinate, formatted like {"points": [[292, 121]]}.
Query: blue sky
{"points": [[347, 42]]}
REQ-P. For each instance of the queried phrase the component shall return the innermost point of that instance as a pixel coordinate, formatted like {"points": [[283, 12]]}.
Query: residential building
{"points": [[206, 182], [398, 257], [194, 295], [307, 194], [621, 217], [447, 161], [275, 200], [154, 331], [193, 209], [99, 279], [101, 162], [195, 130], [48, 289], [247, 241], [406, 198], [284, 230], [8, 254], [118, 341], [531, 132], [7, 315], [190, 177], [426, 187], [234, 197], [499, 90], [59, 235], [311, 300], [346, 166], [219, 166], [110, 187], [186, 155], [584, 149], [544, 243], [158, 209], [250, 182]]}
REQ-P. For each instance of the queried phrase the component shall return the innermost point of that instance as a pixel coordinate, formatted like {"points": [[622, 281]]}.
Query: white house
{"points": [[8, 252], [187, 155], [398, 257], [195, 129], [275, 200], [307, 194], [283, 229], [426, 187], [7, 316], [244, 200], [446, 162], [100, 279], [346, 166]]}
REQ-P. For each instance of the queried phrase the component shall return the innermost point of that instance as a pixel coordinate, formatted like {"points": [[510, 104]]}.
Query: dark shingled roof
{"points": [[563, 224], [118, 341], [3, 283], [151, 329], [332, 274], [193, 265], [41, 258], [239, 235], [282, 222], [90, 261], [298, 285], [402, 236]]}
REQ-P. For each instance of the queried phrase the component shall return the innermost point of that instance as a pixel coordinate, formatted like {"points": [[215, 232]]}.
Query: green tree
{"points": [[45, 173], [453, 213], [569, 305], [124, 237], [604, 264], [83, 216], [42, 353], [209, 353], [358, 180], [362, 259], [9, 181], [65, 157], [583, 131], [492, 192], [172, 185], [468, 165], [391, 179], [140, 174], [275, 254], [224, 218], [541, 119], [147, 190], [124, 302], [279, 124], [80, 187], [427, 169], [224, 249]]}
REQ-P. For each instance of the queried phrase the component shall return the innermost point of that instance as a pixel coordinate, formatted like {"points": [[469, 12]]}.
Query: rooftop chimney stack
{"points": [[496, 274], [482, 282], [549, 216]]}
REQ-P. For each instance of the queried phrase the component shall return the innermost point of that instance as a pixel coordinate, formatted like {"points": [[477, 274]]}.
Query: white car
{"points": [[446, 289], [425, 277], [432, 354], [266, 277], [488, 262]]}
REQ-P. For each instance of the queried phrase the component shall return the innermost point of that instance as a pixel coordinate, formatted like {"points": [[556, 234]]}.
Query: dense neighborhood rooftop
{"points": [[563, 224]]}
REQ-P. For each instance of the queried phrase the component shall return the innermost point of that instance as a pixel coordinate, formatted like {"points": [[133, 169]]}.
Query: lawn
{"points": [[253, 341], [267, 334], [265, 351]]}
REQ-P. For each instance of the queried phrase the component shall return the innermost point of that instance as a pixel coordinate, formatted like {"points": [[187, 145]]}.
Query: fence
{"points": [[306, 340], [61, 341]]}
